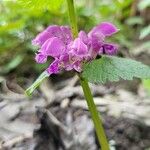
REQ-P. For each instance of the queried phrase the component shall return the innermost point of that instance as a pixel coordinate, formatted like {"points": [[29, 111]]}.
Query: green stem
{"points": [[95, 115], [87, 92], [73, 19]]}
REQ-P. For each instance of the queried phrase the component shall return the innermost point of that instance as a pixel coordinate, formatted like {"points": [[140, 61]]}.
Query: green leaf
{"points": [[146, 84], [38, 81], [134, 20], [11, 26], [145, 32], [143, 4], [51, 5], [12, 64], [111, 68]]}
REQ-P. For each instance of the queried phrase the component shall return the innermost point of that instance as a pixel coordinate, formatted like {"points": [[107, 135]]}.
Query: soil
{"points": [[123, 133], [57, 118]]}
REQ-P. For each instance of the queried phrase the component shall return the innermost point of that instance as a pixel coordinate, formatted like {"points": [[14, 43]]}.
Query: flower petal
{"points": [[54, 31], [96, 44], [83, 36], [61, 32], [54, 67], [67, 35], [103, 29], [53, 47], [40, 58], [41, 38], [65, 62], [110, 48], [106, 28], [79, 47]]}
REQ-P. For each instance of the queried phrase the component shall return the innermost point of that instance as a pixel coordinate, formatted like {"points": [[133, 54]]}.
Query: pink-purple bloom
{"points": [[70, 54]]}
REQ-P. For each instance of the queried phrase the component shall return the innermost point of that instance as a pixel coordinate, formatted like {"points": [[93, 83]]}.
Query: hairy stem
{"points": [[87, 92]]}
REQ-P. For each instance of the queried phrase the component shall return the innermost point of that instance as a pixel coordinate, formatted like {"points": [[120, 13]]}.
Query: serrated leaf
{"points": [[111, 68], [38, 81]]}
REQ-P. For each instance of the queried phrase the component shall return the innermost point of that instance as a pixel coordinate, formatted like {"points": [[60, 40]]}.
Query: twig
{"points": [[56, 121], [15, 140]]}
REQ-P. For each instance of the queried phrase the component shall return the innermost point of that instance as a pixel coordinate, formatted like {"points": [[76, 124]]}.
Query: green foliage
{"points": [[38, 81], [21, 20], [134, 20], [107, 68], [144, 32], [18, 26], [118, 8], [52, 5], [110, 68], [143, 4], [146, 84], [12, 64]]}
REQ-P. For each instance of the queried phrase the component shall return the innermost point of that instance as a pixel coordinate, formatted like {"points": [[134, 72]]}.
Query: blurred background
{"points": [[125, 105]]}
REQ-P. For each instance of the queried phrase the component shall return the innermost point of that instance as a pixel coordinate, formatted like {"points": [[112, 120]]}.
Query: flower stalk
{"points": [[72, 17], [95, 115], [87, 92]]}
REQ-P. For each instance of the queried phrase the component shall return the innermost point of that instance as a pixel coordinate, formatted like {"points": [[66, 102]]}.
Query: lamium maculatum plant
{"points": [[71, 50]]}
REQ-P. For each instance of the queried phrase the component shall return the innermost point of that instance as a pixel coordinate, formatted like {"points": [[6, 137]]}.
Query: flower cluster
{"points": [[68, 53]]}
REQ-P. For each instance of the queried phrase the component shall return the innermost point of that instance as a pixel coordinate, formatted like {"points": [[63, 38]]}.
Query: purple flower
{"points": [[110, 49], [69, 54], [102, 30], [52, 41], [61, 32], [98, 34], [79, 48], [83, 36], [40, 58], [53, 47], [54, 67]]}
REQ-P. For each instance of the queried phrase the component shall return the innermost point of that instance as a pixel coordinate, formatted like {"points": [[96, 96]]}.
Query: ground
{"points": [[56, 116]]}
